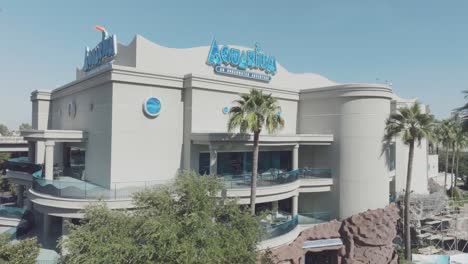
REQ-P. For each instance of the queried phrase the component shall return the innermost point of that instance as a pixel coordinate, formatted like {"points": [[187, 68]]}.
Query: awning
{"points": [[332, 242]]}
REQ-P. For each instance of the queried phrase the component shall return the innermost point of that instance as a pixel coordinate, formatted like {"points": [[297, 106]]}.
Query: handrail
{"points": [[274, 177], [89, 191], [306, 218], [23, 165], [280, 229]]}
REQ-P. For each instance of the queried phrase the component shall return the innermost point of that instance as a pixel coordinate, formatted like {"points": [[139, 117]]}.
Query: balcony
{"points": [[275, 177], [274, 185], [277, 224], [23, 166], [312, 218], [71, 188]]}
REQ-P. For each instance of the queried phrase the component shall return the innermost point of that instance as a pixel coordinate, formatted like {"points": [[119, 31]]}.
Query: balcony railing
{"points": [[277, 227], [67, 187], [12, 212], [274, 177], [308, 218], [22, 164]]}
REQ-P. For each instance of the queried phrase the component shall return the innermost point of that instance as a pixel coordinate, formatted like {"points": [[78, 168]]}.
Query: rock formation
{"points": [[367, 238]]}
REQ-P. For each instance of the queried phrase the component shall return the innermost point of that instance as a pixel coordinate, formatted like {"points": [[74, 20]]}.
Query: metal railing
{"points": [[23, 165], [272, 231], [309, 218], [10, 233], [89, 191], [12, 140], [274, 177], [12, 212]]}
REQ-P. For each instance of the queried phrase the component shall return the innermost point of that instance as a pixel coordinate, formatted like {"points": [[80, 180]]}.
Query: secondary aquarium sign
{"points": [[236, 62], [105, 51]]}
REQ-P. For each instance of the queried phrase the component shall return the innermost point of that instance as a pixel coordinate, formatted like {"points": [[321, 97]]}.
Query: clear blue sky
{"points": [[420, 46]]}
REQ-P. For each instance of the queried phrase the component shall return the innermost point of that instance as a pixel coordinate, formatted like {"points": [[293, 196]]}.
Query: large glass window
{"points": [[204, 163], [237, 163]]}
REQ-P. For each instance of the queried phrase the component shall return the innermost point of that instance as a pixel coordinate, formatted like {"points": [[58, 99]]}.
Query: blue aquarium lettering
{"points": [[241, 61], [103, 52]]}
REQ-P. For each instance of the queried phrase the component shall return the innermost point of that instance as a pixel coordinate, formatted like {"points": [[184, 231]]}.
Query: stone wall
{"points": [[367, 238]]}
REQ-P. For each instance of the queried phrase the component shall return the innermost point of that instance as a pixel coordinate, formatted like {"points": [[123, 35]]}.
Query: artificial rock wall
{"points": [[367, 238]]}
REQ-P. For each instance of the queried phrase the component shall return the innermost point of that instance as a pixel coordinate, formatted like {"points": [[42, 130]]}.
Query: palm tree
{"points": [[460, 142], [446, 134], [436, 133], [251, 113], [412, 126], [464, 109]]}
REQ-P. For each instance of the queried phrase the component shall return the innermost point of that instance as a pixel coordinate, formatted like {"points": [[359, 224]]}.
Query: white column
{"points": [[213, 160], [39, 150], [295, 157], [46, 226], [49, 160], [274, 206], [65, 231], [19, 195], [295, 201]]}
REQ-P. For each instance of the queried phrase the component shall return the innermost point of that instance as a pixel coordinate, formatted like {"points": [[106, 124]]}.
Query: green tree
{"points": [[4, 131], [460, 142], [23, 252], [252, 113], [179, 223], [25, 126], [446, 134], [412, 126]]}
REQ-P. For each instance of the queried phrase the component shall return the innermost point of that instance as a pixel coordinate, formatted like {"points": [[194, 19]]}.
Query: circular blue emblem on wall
{"points": [[152, 106], [225, 110]]}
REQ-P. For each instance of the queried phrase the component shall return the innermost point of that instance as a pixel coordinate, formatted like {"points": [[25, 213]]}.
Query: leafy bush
{"points": [[180, 223]]}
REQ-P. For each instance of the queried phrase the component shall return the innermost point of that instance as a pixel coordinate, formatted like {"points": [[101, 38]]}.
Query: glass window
{"points": [[238, 163], [204, 164]]}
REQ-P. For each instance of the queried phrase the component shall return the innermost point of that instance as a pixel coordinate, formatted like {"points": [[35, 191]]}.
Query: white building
{"points": [[136, 114]]}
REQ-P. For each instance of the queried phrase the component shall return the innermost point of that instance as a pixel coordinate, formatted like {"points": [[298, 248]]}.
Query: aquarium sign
{"points": [[104, 52], [236, 62]]}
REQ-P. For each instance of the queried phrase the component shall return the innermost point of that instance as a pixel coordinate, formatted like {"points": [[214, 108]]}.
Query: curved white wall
{"points": [[356, 115]]}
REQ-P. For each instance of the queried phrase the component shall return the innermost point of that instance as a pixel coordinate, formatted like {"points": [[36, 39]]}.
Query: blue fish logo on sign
{"points": [[152, 106], [240, 61]]}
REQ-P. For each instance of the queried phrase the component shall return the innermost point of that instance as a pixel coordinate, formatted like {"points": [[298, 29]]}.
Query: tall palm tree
{"points": [[412, 126], [464, 109], [461, 141], [446, 134], [252, 113], [436, 133]]}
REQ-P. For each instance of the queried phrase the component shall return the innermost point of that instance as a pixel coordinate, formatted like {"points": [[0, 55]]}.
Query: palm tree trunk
{"points": [[452, 171], [407, 203], [446, 168], [456, 172], [253, 186]]}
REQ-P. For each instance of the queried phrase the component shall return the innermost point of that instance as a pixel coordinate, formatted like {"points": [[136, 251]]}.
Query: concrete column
{"points": [[274, 206], [49, 160], [46, 226], [295, 204], [65, 232], [19, 195], [28, 204], [65, 222], [295, 157], [32, 152], [213, 160]]}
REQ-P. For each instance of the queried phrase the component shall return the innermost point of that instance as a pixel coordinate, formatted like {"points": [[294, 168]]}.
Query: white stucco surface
{"points": [[335, 126]]}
